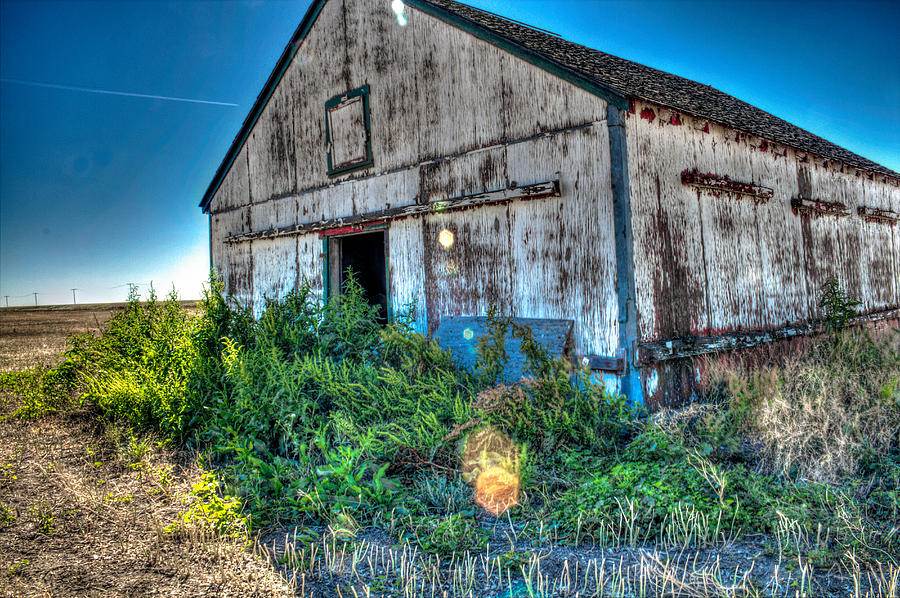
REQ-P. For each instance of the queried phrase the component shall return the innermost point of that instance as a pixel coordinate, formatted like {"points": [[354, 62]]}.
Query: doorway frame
{"points": [[329, 237]]}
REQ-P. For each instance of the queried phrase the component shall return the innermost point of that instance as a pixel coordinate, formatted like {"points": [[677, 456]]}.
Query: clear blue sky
{"points": [[97, 190]]}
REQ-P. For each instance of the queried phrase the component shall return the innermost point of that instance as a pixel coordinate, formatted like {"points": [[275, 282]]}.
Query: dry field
{"points": [[34, 336]]}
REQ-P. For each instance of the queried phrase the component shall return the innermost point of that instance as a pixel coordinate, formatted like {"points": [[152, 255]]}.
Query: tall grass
{"points": [[315, 413]]}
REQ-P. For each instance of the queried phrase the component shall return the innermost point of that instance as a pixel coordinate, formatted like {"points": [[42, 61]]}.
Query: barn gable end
{"points": [[451, 116]]}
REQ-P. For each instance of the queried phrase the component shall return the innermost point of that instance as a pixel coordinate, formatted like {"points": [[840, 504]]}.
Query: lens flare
{"points": [[399, 9], [452, 267], [446, 238], [490, 463]]}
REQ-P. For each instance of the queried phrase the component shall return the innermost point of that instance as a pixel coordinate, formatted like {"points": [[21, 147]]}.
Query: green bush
{"points": [[31, 394], [138, 370]]}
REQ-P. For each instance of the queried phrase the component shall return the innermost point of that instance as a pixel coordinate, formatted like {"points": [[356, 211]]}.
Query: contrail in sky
{"points": [[113, 93]]}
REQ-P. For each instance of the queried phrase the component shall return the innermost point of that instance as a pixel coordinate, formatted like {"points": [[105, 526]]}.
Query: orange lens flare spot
{"points": [[490, 462], [497, 490]]}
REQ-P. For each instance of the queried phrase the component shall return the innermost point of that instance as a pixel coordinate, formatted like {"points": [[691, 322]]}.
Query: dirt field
{"points": [[33, 336], [83, 507], [83, 513]]}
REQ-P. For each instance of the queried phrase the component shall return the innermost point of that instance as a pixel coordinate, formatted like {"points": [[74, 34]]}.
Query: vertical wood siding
{"points": [[450, 115], [709, 262]]}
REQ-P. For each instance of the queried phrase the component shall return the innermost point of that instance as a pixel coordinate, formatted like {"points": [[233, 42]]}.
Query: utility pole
{"points": [[7, 300], [73, 296], [35, 293]]}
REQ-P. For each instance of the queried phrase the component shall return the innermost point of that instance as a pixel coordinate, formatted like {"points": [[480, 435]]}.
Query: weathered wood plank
{"points": [[524, 193], [670, 274], [467, 263], [274, 270], [604, 363], [235, 189], [708, 180], [659, 351], [877, 214], [562, 250], [730, 240], [819, 206]]}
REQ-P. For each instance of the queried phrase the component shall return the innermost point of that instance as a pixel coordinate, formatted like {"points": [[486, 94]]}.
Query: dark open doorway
{"points": [[365, 255]]}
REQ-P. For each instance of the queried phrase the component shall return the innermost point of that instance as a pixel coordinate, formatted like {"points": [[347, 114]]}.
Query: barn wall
{"points": [[711, 263], [451, 115], [714, 262]]}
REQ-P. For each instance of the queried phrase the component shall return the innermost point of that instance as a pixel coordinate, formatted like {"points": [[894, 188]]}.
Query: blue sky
{"points": [[98, 190]]}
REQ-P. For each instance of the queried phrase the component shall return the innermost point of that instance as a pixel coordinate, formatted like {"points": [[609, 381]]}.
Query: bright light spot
{"points": [[468, 334], [399, 9], [490, 462], [445, 238]]}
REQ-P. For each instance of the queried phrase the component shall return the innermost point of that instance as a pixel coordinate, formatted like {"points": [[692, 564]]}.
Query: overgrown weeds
{"points": [[315, 413]]}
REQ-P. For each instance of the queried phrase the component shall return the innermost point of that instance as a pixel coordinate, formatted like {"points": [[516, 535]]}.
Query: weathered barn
{"points": [[456, 160]]}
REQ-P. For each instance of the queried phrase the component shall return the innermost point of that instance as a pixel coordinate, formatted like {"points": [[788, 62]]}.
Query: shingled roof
{"points": [[608, 75], [637, 81]]}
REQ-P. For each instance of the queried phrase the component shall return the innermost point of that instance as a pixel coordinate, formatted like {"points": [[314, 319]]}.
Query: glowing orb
{"points": [[497, 490], [445, 238], [399, 9], [490, 461], [468, 334]]}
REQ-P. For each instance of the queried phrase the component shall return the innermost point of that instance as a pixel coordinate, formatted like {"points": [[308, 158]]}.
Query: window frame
{"points": [[368, 161]]}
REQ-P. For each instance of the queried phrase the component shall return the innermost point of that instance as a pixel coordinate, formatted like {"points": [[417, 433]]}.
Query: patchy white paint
{"points": [[710, 262]]}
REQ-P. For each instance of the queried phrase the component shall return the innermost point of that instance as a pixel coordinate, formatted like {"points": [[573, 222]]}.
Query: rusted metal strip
{"points": [[818, 206], [527, 192], [878, 214], [659, 351], [605, 363], [708, 180], [347, 230]]}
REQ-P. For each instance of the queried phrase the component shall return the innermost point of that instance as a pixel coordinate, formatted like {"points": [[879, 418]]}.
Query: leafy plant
{"points": [[839, 307], [209, 509]]}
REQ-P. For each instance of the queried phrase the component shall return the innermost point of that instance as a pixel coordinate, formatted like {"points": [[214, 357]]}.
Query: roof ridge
{"points": [[639, 81]]}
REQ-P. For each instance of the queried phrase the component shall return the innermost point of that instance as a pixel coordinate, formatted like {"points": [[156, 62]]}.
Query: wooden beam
{"points": [[527, 192], [605, 363], [708, 180], [878, 214], [658, 351], [818, 206]]}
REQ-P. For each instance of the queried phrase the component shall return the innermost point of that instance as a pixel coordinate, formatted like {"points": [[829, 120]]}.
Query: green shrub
{"points": [[138, 370], [31, 394]]}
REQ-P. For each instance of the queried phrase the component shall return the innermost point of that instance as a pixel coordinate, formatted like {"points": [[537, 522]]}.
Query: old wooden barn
{"points": [[458, 160]]}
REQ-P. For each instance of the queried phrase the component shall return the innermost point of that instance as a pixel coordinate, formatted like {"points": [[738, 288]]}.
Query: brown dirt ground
{"points": [[79, 518]]}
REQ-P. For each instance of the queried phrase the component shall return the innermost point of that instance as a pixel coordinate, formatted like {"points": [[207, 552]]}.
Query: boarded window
{"points": [[347, 120]]}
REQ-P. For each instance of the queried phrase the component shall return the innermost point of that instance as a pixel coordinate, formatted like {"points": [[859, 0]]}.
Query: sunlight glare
{"points": [[490, 462], [399, 9]]}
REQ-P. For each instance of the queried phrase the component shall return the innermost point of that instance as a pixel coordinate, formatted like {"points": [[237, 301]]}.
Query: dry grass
{"points": [[818, 413], [84, 513]]}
